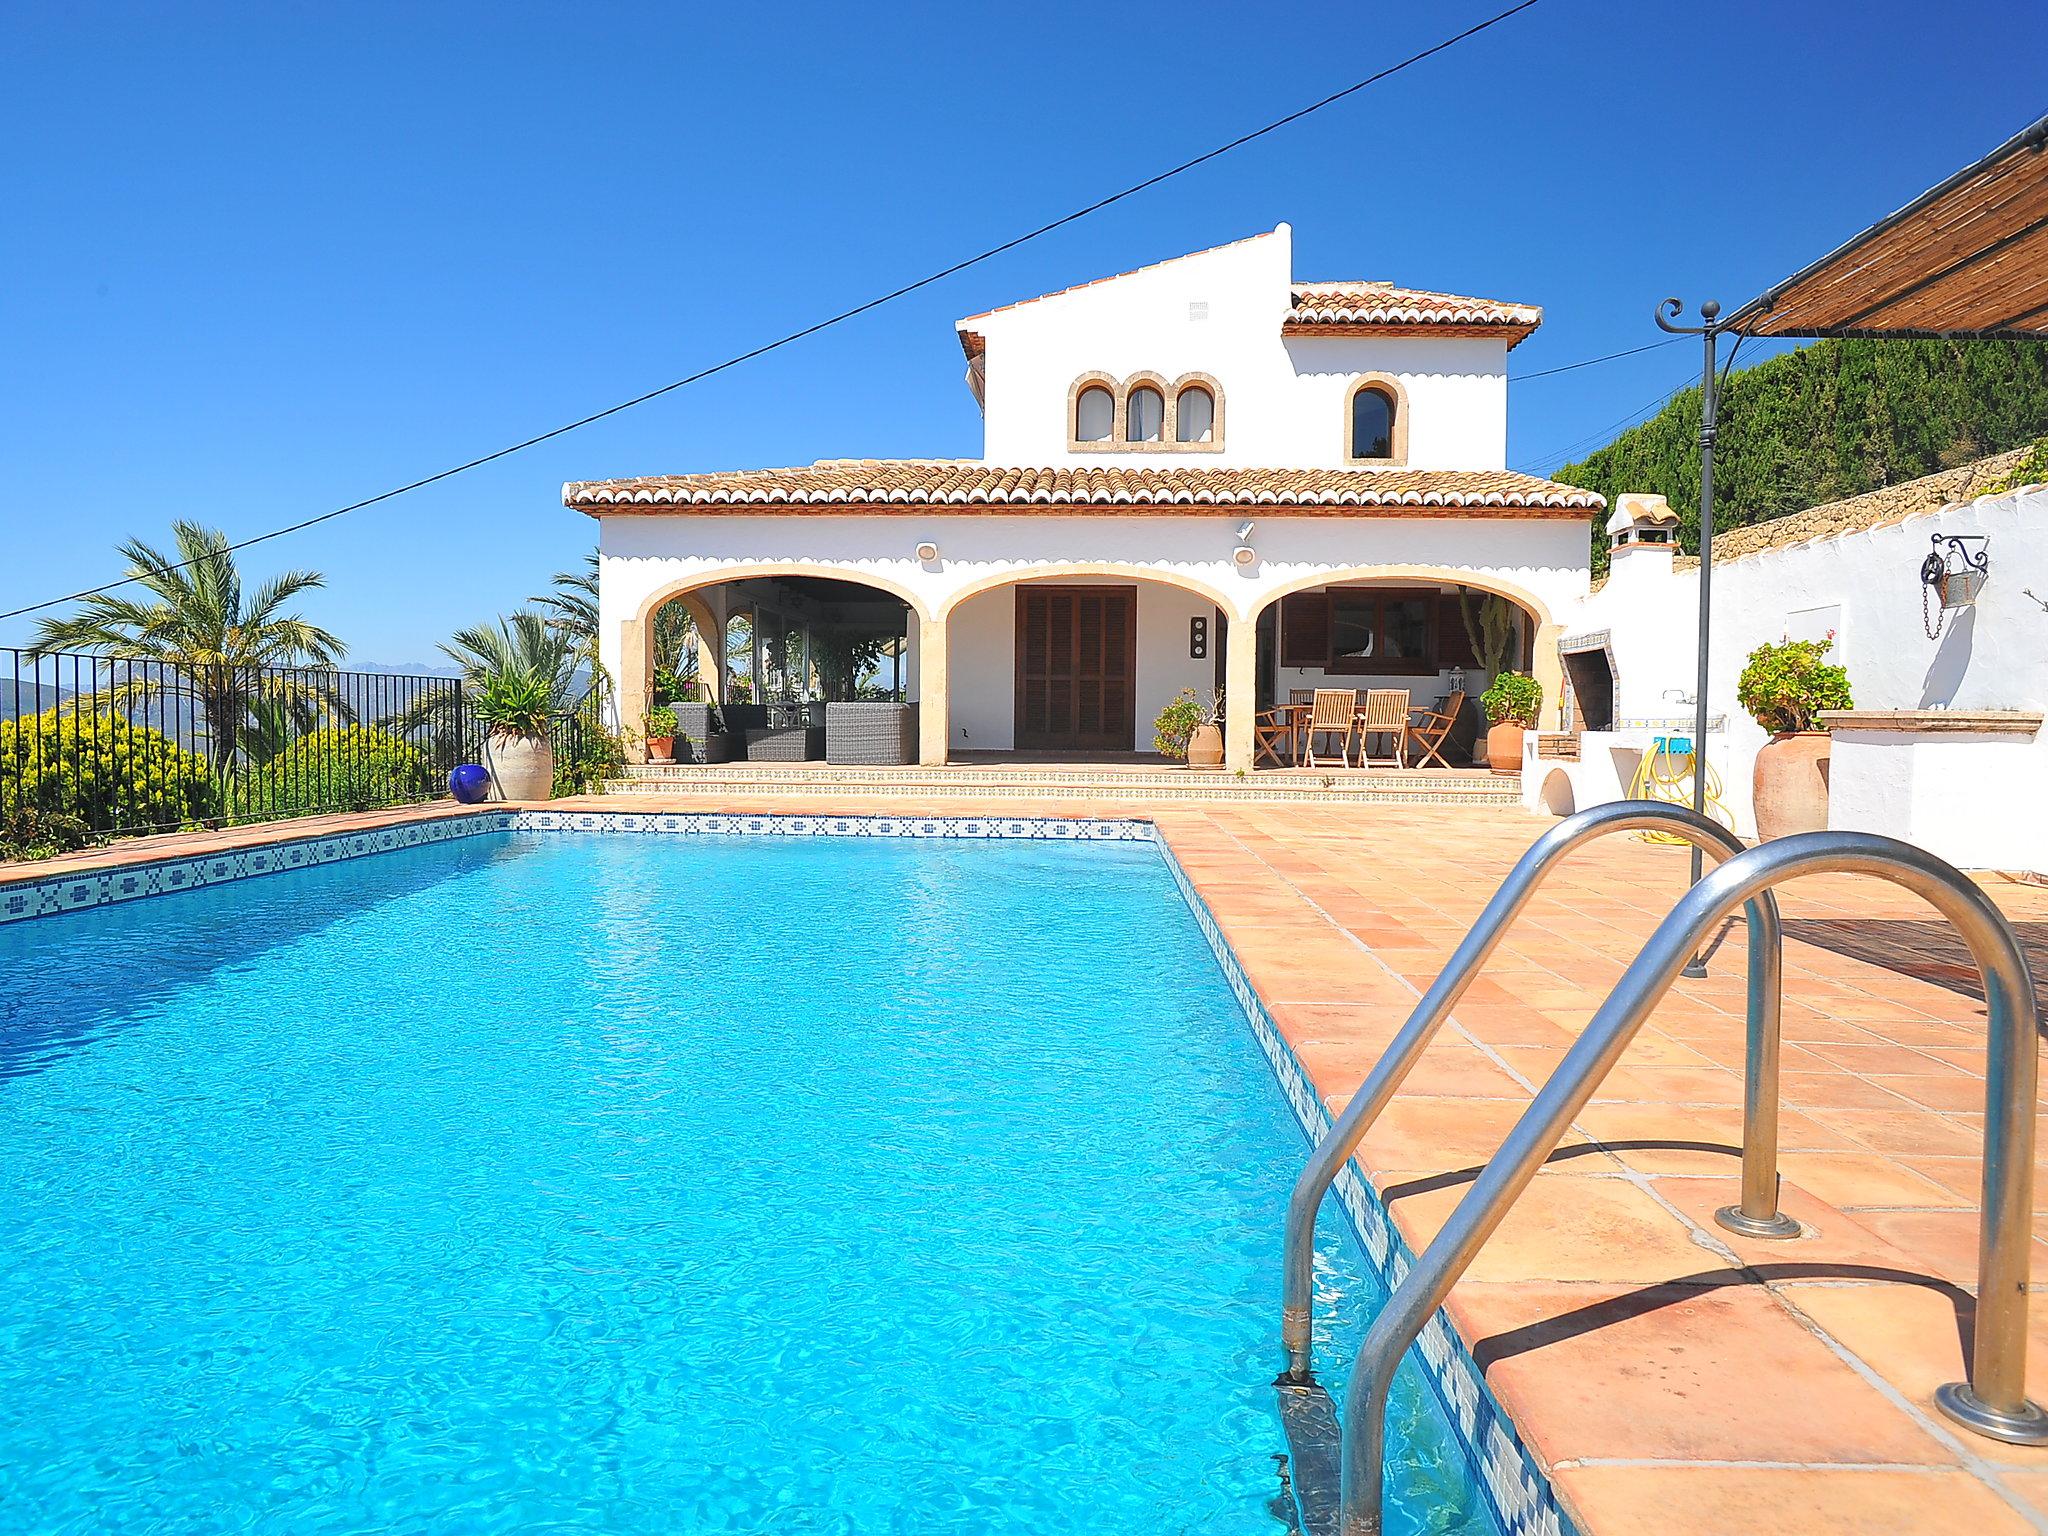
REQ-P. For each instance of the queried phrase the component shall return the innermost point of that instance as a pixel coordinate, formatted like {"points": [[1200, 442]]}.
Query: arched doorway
{"points": [[1441, 635], [1075, 662]]}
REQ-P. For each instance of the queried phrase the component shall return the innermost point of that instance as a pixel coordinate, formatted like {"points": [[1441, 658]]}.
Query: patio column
{"points": [[1240, 691], [1547, 667], [633, 687], [711, 665], [934, 719]]}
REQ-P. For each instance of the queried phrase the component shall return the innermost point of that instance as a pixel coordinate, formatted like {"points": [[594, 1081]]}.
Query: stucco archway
{"points": [[1545, 664], [636, 662]]}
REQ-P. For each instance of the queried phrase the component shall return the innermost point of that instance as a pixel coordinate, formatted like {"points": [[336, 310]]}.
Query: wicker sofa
{"points": [[871, 734], [702, 735], [778, 733]]}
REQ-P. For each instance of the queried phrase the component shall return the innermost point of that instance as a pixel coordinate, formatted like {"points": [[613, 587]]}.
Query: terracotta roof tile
{"points": [[955, 485], [1346, 306]]}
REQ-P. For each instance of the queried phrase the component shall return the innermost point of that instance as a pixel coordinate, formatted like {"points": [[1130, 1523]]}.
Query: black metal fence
{"points": [[147, 746]]}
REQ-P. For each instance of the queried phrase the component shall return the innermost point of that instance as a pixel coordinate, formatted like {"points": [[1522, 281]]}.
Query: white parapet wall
{"points": [[1945, 747]]}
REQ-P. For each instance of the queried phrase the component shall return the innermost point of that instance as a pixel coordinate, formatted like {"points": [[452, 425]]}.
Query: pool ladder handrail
{"points": [[1757, 1215], [1993, 1400]]}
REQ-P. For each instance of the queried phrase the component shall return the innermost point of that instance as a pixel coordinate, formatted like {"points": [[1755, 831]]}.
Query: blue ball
{"points": [[469, 783]]}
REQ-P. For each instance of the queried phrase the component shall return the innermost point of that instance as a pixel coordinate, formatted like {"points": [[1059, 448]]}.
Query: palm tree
{"points": [[199, 636], [520, 644]]}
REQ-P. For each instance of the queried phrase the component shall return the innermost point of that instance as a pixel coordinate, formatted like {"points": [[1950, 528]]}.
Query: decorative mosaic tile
{"points": [[129, 882], [721, 824], [1520, 1495]]}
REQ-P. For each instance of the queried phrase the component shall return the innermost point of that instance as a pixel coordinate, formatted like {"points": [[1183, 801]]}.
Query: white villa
{"points": [[1204, 474]]}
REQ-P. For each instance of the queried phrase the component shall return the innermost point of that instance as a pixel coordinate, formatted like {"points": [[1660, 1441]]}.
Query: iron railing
{"points": [[131, 747]]}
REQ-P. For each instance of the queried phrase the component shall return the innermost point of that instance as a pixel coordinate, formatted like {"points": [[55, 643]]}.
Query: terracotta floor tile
{"points": [[1851, 1179], [1828, 1236], [1744, 1501], [1571, 1226], [1674, 1372], [1912, 1335]]}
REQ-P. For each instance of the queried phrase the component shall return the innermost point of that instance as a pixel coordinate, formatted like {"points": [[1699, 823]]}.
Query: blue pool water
{"points": [[570, 1182]]}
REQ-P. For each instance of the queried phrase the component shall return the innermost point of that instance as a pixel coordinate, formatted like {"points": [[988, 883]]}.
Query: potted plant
{"points": [[514, 707], [1783, 687], [661, 734], [1190, 729], [1511, 701]]}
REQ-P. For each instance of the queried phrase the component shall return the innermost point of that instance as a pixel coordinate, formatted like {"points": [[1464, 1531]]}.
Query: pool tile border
{"points": [[1520, 1495], [75, 891]]}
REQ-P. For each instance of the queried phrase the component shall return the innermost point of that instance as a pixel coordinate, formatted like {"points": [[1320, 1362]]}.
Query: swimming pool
{"points": [[583, 1182]]}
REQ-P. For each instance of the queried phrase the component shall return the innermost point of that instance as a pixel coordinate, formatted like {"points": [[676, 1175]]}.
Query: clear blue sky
{"points": [[260, 260]]}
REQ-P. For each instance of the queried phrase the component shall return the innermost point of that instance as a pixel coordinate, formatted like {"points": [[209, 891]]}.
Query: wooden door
{"points": [[1077, 664]]}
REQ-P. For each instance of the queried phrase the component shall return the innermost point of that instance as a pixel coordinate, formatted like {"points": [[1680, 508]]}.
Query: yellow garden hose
{"points": [[1665, 773]]}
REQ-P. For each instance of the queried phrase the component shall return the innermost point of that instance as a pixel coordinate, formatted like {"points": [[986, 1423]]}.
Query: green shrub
{"points": [[339, 768], [27, 833], [1513, 698], [1784, 686], [2032, 469], [517, 703], [661, 721], [1175, 724], [95, 765]]}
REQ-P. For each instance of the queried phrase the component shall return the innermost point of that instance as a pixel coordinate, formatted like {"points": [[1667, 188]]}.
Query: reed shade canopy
{"points": [[1967, 258]]}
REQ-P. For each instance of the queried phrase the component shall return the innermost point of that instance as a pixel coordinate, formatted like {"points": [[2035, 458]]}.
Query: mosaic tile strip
{"points": [[61, 893], [1520, 1495]]}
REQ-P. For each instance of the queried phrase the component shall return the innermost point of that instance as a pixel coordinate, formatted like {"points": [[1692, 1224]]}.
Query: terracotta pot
{"points": [[661, 749], [1791, 785], [522, 767], [1205, 747], [1504, 747]]}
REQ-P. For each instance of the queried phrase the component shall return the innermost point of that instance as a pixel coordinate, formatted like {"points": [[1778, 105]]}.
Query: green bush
{"points": [[1175, 724], [661, 721], [95, 765], [339, 768], [1784, 686], [1513, 698], [27, 833]]}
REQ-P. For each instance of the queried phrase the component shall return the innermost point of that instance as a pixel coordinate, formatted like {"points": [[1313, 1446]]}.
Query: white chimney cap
{"points": [[1636, 510]]}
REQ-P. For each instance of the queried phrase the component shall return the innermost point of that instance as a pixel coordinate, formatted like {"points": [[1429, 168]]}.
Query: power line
{"points": [[844, 315], [1558, 457], [1523, 378]]}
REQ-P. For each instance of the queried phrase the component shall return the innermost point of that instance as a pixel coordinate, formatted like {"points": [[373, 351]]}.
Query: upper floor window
{"points": [[1094, 415], [1377, 431], [1144, 415]]}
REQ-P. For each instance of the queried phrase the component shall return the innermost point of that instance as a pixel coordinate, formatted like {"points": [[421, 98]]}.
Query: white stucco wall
{"points": [[1219, 312], [1973, 800]]}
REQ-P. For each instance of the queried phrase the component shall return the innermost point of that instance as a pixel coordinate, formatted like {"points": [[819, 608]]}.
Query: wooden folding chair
{"points": [[1385, 714], [1331, 710], [1431, 728], [1273, 733]]}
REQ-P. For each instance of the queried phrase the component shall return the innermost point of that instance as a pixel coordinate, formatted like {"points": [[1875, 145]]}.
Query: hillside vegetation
{"points": [[1831, 420]]}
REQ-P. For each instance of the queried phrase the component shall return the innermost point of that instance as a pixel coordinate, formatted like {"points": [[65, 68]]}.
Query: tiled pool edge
{"points": [[75, 889], [1522, 1498], [1520, 1495]]}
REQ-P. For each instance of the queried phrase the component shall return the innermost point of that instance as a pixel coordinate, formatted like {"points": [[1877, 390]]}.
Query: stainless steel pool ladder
{"points": [[1993, 1401], [1757, 1214]]}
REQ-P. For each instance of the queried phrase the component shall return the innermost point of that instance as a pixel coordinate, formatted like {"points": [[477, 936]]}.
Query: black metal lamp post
{"points": [[1709, 333]]}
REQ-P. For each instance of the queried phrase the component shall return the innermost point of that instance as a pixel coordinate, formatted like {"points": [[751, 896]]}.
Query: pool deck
{"points": [[1672, 1378]]}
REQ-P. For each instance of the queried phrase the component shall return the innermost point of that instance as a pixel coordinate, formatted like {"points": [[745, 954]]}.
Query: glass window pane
{"points": [[1372, 425], [1145, 416], [1194, 415], [1094, 413], [1354, 626], [1407, 629]]}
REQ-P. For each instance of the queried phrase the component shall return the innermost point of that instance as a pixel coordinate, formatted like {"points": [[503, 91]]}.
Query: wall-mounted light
{"points": [[927, 552], [1244, 557], [1244, 532]]}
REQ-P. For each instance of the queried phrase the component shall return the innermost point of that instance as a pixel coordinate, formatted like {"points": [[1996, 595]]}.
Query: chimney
{"points": [[1642, 533]]}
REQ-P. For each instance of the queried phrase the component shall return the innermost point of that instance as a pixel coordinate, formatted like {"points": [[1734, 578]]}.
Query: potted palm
{"points": [[514, 707], [1784, 688], [1511, 701], [661, 734]]}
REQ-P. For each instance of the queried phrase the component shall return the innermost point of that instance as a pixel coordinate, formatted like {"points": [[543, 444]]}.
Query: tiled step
{"points": [[1067, 784]]}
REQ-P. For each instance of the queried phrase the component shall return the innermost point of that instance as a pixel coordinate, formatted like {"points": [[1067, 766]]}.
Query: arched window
{"points": [[1372, 423], [1194, 415], [1094, 415], [1144, 415]]}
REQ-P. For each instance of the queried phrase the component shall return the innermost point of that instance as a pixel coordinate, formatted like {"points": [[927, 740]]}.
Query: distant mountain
{"points": [[442, 668], [31, 699]]}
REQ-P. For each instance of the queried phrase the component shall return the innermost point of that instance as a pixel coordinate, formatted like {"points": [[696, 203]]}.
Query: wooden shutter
{"points": [[1453, 644], [1305, 630]]}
